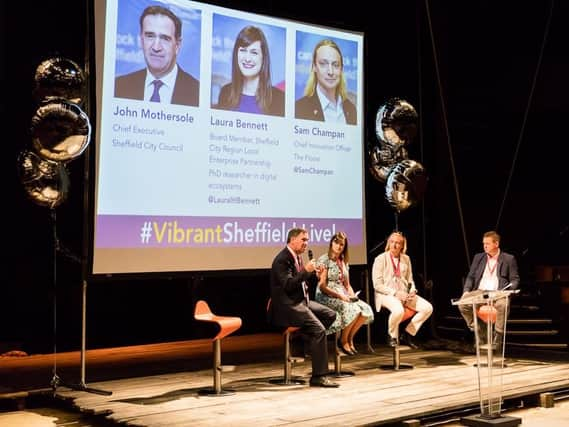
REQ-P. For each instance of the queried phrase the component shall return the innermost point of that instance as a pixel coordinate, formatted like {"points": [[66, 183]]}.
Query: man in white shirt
{"points": [[491, 270]]}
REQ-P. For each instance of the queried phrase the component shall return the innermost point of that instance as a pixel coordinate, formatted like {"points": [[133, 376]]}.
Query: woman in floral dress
{"points": [[334, 291]]}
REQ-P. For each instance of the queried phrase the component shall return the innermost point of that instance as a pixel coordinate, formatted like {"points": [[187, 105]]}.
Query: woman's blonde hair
{"points": [[388, 243], [310, 88]]}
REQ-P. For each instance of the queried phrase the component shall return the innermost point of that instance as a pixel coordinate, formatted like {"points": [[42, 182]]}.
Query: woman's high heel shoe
{"points": [[347, 352]]}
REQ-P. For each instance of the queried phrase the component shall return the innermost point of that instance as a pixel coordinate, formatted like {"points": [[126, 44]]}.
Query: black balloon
{"points": [[59, 78], [45, 182], [406, 184], [396, 122], [60, 131]]}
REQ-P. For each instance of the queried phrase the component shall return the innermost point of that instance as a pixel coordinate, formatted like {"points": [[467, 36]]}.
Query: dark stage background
{"points": [[468, 69]]}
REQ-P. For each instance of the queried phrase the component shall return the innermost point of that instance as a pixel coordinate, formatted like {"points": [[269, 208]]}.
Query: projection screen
{"points": [[193, 182]]}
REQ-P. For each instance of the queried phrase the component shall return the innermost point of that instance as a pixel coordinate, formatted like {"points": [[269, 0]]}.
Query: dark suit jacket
{"points": [[507, 271], [275, 109], [186, 88], [309, 108], [287, 295]]}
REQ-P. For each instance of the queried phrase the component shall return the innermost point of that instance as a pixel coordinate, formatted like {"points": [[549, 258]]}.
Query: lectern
{"points": [[489, 358]]}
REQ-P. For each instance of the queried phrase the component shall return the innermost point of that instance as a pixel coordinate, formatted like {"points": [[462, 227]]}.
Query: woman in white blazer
{"points": [[392, 276]]}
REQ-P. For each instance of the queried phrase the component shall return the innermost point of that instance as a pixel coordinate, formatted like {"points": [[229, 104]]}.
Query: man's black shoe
{"points": [[323, 382], [407, 340], [392, 342]]}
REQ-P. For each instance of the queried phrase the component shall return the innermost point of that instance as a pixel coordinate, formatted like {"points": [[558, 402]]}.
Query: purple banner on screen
{"points": [[141, 231]]}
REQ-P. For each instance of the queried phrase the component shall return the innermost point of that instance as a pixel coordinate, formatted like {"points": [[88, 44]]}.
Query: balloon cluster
{"points": [[405, 179], [60, 131]]}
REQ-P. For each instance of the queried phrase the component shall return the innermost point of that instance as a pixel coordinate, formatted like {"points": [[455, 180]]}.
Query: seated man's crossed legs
{"points": [[423, 310]]}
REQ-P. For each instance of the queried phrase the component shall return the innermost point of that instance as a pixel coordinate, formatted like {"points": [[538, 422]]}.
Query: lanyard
{"points": [[491, 269], [340, 265], [396, 268]]}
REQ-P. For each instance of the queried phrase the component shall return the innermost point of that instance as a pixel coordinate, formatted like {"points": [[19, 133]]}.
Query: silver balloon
{"points": [[59, 78], [381, 163], [46, 182], [406, 184], [60, 130], [396, 123]]}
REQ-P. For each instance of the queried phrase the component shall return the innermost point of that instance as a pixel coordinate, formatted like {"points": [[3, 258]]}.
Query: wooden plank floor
{"points": [[440, 380], [34, 372]]}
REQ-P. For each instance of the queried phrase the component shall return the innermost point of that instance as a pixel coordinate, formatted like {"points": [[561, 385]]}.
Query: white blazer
{"points": [[383, 275]]}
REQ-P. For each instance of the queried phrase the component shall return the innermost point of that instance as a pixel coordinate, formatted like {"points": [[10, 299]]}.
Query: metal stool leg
{"points": [[289, 361], [338, 373], [216, 390], [396, 366]]}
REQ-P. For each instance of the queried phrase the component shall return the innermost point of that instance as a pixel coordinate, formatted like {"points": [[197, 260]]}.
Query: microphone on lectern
{"points": [[310, 255]]}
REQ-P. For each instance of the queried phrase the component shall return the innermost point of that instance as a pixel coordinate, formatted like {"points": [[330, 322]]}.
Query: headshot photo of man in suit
{"points": [[163, 80]]}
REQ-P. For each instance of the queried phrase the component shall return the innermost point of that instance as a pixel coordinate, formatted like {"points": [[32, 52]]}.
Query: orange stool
{"points": [[289, 360], [407, 314], [227, 326], [487, 313]]}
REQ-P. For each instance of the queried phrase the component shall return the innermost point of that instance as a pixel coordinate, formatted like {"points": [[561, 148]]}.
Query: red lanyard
{"points": [[396, 269], [491, 269], [341, 268]]}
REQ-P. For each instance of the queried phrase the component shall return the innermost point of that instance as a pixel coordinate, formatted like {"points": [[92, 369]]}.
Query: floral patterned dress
{"points": [[346, 311]]}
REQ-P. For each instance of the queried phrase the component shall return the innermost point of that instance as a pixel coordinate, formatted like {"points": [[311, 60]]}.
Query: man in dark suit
{"points": [[291, 306], [163, 80], [491, 270], [325, 95]]}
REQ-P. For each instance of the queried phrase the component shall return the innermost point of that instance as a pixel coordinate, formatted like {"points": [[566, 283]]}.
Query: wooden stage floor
{"points": [[440, 381]]}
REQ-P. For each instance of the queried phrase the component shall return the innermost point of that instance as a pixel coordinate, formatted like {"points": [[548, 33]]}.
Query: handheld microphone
{"points": [[310, 255]]}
